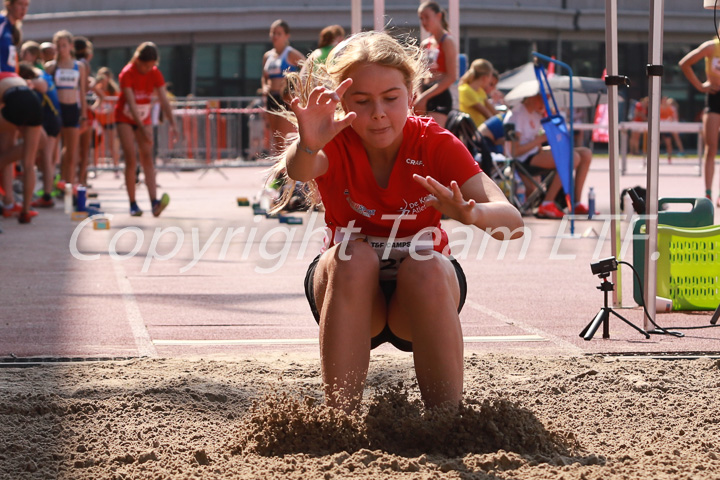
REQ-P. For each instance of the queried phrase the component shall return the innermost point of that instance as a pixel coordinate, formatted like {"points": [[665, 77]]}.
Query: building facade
{"points": [[214, 48]]}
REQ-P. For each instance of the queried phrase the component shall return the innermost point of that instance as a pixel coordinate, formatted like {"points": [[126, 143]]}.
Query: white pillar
{"points": [[655, 54], [611, 48], [454, 20], [379, 15], [356, 16]]}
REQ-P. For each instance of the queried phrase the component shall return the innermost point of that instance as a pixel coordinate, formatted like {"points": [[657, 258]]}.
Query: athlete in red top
{"points": [[351, 192], [139, 81], [389, 163], [441, 53]]}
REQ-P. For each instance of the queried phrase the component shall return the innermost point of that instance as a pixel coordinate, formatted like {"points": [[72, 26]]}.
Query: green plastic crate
{"points": [[701, 214], [688, 269]]}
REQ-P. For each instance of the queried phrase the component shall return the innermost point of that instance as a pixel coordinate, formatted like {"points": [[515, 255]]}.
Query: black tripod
{"points": [[603, 316]]}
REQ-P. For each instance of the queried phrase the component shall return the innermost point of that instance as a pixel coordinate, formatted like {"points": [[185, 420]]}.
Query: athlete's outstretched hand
{"points": [[448, 201], [316, 121]]}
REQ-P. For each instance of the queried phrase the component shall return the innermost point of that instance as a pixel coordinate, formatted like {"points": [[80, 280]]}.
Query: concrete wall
{"points": [[120, 23]]}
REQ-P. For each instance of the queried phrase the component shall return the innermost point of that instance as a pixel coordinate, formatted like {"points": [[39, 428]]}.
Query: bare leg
{"points": [[635, 142], [711, 124], [31, 136], [7, 141], [145, 150], [70, 138], [424, 310], [127, 141], [582, 159], [111, 142], [544, 159], [84, 154], [7, 179], [352, 310], [47, 159]]}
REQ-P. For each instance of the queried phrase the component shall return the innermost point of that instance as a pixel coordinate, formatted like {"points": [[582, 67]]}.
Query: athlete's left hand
{"points": [[448, 201]]}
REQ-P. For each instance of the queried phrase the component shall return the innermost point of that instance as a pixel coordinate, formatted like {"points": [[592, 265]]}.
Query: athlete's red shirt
{"points": [[143, 86], [349, 190]]}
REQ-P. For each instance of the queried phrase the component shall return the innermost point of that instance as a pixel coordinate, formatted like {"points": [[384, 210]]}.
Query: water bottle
{"points": [[81, 199], [591, 203], [267, 199], [68, 201]]}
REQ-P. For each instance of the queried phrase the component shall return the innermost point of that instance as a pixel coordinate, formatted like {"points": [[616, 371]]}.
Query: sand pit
{"points": [[262, 417]]}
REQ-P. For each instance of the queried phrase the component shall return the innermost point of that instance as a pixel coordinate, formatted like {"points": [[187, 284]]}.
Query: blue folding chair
{"points": [[558, 135]]}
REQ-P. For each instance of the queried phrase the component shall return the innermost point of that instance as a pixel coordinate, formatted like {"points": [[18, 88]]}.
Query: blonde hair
{"points": [[478, 68], [104, 73], [377, 48]]}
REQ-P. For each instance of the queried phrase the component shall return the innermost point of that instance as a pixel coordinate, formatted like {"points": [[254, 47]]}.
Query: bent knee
{"points": [[427, 272], [354, 259]]}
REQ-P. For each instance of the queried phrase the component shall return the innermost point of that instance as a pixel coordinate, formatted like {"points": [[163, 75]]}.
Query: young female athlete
{"points": [[710, 52], [139, 81], [441, 53], [106, 91], [277, 62], [70, 78], [385, 178]]}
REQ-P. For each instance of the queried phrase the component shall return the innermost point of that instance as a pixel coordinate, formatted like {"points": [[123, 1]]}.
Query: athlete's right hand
{"points": [[316, 120], [708, 87]]}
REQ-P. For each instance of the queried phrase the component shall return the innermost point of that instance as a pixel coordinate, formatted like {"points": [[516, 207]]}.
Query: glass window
{"points": [[230, 66], [117, 58], [205, 61], [253, 61]]}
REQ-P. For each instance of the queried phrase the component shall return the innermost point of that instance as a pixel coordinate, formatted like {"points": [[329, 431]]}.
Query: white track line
{"points": [[144, 343], [314, 341], [565, 345]]}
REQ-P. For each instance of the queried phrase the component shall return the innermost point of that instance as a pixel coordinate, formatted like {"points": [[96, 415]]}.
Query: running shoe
{"points": [[26, 217], [582, 209], [135, 211], [14, 210], [549, 210], [42, 202], [159, 205]]}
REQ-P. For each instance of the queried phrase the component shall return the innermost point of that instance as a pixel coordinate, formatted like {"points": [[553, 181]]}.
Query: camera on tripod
{"points": [[603, 267]]}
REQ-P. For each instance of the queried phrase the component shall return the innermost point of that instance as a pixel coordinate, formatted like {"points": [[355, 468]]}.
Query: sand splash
{"points": [[394, 422]]}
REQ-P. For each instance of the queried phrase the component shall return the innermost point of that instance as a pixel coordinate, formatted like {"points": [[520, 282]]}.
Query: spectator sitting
{"points": [[473, 88], [524, 132]]}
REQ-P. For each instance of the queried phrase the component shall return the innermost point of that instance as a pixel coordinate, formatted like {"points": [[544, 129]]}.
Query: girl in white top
{"points": [[71, 79], [276, 63]]}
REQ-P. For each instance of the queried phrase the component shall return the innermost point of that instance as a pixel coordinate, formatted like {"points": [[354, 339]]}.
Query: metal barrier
{"points": [[212, 132]]}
